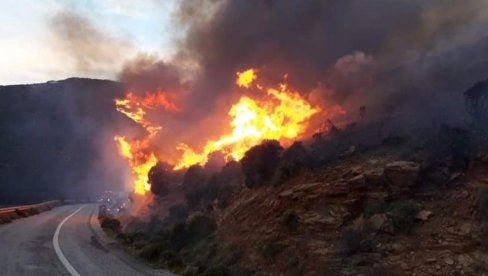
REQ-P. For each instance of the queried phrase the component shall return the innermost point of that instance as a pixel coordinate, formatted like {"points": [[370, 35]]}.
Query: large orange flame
{"points": [[140, 162], [137, 152], [282, 116], [278, 113]]}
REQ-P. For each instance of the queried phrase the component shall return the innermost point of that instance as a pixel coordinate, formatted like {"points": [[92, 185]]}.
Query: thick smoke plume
{"points": [[403, 63], [89, 48]]}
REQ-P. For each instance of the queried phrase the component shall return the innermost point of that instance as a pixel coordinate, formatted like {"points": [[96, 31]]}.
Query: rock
{"points": [[401, 176], [359, 224], [374, 177], [357, 182], [431, 260], [308, 186], [449, 261], [377, 222], [456, 176], [299, 190], [465, 228], [464, 260], [404, 265], [424, 215]]}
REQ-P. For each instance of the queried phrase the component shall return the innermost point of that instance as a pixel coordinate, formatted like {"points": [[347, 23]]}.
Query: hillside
{"points": [[52, 138], [345, 202]]}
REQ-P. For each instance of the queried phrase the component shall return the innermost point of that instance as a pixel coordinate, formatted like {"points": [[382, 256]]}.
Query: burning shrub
{"points": [[260, 163]]}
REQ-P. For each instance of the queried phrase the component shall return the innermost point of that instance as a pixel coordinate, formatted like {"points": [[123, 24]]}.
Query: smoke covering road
{"points": [[27, 246]]}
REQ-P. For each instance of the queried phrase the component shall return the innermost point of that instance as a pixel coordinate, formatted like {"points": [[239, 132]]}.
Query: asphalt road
{"points": [[64, 241]]}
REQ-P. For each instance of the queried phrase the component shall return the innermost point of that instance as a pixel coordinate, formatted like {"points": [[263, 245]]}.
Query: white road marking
{"points": [[59, 253]]}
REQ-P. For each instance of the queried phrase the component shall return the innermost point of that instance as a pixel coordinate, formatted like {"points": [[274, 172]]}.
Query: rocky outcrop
{"points": [[400, 177]]}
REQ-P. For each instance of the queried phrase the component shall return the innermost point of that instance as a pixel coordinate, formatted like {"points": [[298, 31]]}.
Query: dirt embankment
{"points": [[368, 214]]}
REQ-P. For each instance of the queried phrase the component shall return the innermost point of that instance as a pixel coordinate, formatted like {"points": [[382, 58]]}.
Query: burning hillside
{"points": [[327, 128], [262, 113]]}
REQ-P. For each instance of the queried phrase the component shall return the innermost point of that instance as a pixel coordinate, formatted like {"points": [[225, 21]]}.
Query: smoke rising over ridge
{"points": [[89, 48], [407, 62]]}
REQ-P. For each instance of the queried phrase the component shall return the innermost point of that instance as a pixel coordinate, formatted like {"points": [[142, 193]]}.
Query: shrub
{"points": [[350, 242], [158, 178], [107, 222], [178, 236], [483, 209], [218, 270], [178, 212], [273, 249], [291, 220], [293, 158], [403, 215], [378, 208], [201, 193], [151, 252], [260, 163], [194, 177], [200, 226]]}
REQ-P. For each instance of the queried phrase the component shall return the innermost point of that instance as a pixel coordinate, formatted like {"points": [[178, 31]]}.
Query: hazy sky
{"points": [[30, 50]]}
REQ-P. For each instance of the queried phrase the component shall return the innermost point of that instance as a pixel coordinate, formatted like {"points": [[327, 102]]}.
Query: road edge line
{"points": [[57, 248]]}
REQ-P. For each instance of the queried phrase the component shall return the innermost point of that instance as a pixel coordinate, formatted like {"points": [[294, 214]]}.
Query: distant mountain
{"points": [[54, 138]]}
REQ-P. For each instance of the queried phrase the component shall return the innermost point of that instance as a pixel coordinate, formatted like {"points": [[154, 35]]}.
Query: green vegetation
{"points": [[273, 249]]}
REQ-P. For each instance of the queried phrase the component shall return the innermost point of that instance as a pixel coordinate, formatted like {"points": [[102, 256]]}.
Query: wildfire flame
{"points": [[246, 78], [134, 108], [278, 113], [282, 115], [137, 153], [140, 162]]}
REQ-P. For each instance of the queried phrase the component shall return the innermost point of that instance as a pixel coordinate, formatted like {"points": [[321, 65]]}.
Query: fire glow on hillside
{"points": [[278, 113]]}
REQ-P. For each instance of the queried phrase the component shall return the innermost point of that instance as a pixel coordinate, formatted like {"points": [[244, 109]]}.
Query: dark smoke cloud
{"points": [[148, 73], [407, 61], [314, 40], [90, 48]]}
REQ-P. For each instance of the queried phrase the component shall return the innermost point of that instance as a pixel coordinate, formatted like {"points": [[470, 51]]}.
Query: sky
{"points": [[30, 47]]}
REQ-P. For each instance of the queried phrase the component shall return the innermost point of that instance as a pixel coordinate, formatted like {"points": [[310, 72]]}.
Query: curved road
{"points": [[28, 246]]}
